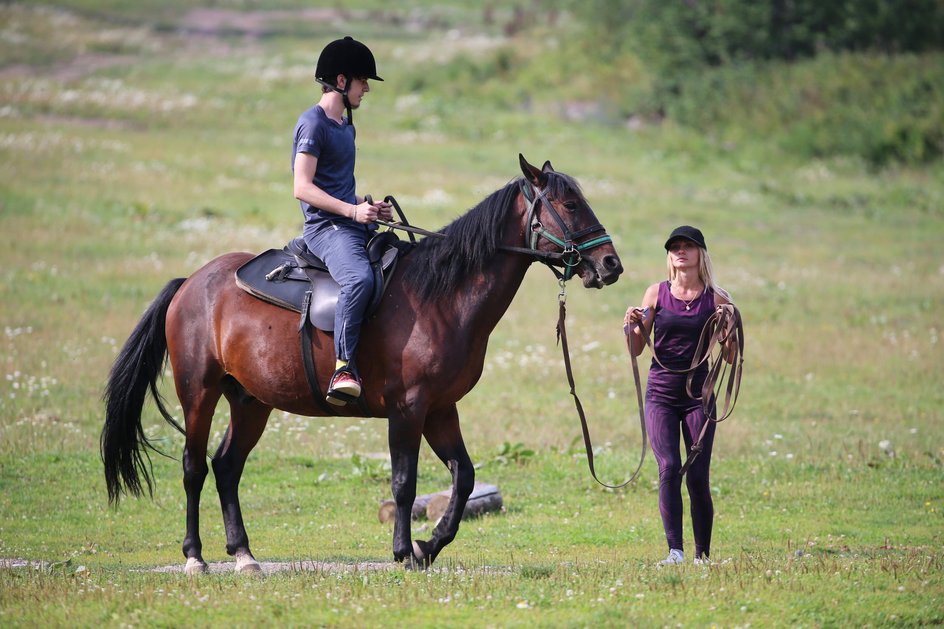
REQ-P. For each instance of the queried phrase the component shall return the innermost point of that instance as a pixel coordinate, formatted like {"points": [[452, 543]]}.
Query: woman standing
{"points": [[678, 309]]}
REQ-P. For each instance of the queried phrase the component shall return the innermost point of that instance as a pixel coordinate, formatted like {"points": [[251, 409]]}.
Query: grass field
{"points": [[132, 152]]}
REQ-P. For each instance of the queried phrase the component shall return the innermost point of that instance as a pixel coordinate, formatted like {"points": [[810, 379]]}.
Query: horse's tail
{"points": [[140, 363]]}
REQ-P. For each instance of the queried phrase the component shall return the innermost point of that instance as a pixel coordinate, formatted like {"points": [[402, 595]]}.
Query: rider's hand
{"points": [[365, 213], [384, 210]]}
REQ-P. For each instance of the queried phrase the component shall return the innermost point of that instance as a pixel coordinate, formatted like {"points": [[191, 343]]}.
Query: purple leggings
{"points": [[664, 422]]}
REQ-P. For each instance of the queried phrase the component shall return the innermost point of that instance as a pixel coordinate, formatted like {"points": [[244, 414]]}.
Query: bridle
{"points": [[571, 252]]}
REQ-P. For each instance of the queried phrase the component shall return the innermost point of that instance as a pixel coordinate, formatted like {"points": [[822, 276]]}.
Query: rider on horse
{"points": [[338, 223]]}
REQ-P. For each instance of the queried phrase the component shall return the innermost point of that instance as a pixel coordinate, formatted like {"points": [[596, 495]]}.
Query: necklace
{"points": [[688, 304]]}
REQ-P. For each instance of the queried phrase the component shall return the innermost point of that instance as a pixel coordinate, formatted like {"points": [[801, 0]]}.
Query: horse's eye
{"points": [[571, 206]]}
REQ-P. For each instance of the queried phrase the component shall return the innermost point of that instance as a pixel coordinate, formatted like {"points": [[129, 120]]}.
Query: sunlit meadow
{"points": [[132, 152]]}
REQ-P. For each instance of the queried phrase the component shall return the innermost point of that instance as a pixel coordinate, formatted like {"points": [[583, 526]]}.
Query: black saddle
{"points": [[284, 277]]}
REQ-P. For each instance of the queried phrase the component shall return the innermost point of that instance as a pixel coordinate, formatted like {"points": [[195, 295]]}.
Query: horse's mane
{"points": [[443, 264]]}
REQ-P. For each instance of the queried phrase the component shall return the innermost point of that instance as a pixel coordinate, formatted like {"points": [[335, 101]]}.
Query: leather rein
{"points": [[570, 255]]}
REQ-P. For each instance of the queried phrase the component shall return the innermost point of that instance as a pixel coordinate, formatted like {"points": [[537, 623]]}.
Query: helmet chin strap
{"points": [[343, 93]]}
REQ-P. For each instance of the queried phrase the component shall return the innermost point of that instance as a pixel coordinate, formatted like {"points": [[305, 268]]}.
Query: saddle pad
{"points": [[287, 293]]}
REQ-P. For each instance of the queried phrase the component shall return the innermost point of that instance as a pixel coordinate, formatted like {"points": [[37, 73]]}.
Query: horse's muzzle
{"points": [[603, 272]]}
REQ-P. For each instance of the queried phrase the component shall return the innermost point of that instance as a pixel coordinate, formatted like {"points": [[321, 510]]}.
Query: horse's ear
{"points": [[547, 168], [532, 174]]}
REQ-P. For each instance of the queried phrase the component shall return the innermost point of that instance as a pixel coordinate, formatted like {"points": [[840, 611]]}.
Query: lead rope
{"points": [[723, 325], [562, 339]]}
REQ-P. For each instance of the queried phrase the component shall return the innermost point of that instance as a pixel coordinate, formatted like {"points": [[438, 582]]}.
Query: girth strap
{"points": [[304, 328]]}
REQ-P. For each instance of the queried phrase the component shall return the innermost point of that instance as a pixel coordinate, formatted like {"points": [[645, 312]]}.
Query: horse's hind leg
{"points": [[248, 420], [198, 409], [444, 437]]}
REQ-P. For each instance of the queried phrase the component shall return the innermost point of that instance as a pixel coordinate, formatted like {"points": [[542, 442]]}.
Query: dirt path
{"points": [[271, 567], [268, 567]]}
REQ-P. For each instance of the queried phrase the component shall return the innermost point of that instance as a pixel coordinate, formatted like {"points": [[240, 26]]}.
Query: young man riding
{"points": [[338, 223]]}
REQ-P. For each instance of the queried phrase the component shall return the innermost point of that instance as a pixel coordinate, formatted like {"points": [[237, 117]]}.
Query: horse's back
{"points": [[221, 330]]}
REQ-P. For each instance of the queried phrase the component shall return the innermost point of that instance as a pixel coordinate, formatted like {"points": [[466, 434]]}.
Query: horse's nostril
{"points": [[612, 263]]}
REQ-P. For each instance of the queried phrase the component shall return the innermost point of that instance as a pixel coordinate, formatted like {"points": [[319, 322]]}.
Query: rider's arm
{"points": [[306, 165], [634, 316]]}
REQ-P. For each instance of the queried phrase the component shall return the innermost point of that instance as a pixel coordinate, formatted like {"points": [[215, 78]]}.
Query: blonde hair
{"points": [[705, 272]]}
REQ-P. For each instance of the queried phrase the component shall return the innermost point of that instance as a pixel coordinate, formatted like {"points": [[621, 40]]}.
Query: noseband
{"points": [[570, 255]]}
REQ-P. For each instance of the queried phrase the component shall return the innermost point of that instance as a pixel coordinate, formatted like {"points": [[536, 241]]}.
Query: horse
{"points": [[420, 353]]}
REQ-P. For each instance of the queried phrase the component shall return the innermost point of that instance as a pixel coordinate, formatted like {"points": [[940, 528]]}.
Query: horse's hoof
{"points": [[420, 559], [418, 552], [195, 566], [246, 563]]}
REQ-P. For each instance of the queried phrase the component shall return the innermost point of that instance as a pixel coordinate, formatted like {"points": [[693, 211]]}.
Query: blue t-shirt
{"points": [[333, 144]]}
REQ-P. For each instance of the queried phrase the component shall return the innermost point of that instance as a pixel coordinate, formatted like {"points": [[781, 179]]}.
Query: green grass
{"points": [[792, 538], [116, 177]]}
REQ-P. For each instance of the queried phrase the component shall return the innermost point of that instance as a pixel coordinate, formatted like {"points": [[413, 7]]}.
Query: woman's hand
{"points": [[634, 316]]}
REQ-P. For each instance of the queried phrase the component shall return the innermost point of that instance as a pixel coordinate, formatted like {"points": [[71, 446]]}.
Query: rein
{"points": [[588, 445], [724, 324], [570, 255]]}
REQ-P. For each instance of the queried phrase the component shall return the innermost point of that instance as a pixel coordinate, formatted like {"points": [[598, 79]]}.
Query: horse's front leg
{"points": [[444, 437], [403, 433]]}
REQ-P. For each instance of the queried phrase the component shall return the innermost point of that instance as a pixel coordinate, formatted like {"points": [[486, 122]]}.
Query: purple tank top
{"points": [[675, 337]]}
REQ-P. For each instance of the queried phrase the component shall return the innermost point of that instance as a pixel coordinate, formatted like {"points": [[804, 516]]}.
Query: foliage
{"points": [[517, 453], [375, 469], [718, 64], [682, 37], [884, 109]]}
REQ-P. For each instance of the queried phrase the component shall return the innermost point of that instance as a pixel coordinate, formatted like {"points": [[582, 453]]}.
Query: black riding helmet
{"points": [[350, 58]]}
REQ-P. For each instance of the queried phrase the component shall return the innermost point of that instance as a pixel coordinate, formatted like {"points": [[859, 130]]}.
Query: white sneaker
{"points": [[676, 556], [701, 561]]}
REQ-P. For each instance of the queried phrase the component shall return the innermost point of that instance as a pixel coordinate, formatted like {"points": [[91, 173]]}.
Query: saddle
{"points": [[295, 278]]}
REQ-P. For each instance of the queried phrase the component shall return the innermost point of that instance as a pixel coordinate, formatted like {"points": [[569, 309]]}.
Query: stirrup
{"points": [[342, 396]]}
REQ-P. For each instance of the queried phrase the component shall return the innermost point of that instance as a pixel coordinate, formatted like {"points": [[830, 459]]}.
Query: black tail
{"points": [[139, 365]]}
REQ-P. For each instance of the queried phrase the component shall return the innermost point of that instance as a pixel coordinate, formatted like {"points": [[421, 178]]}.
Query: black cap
{"points": [[346, 56], [688, 233]]}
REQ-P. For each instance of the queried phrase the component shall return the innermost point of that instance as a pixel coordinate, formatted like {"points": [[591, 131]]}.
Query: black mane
{"points": [[443, 264]]}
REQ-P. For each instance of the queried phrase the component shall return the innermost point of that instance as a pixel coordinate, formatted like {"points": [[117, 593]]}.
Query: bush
{"points": [[884, 109], [683, 36]]}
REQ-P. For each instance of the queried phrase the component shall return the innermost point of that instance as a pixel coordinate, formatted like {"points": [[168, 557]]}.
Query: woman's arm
{"points": [[641, 315]]}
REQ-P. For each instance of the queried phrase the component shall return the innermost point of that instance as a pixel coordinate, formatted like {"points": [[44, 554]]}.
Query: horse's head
{"points": [[559, 222]]}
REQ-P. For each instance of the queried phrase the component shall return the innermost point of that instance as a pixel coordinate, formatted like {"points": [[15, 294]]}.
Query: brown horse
{"points": [[419, 354]]}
